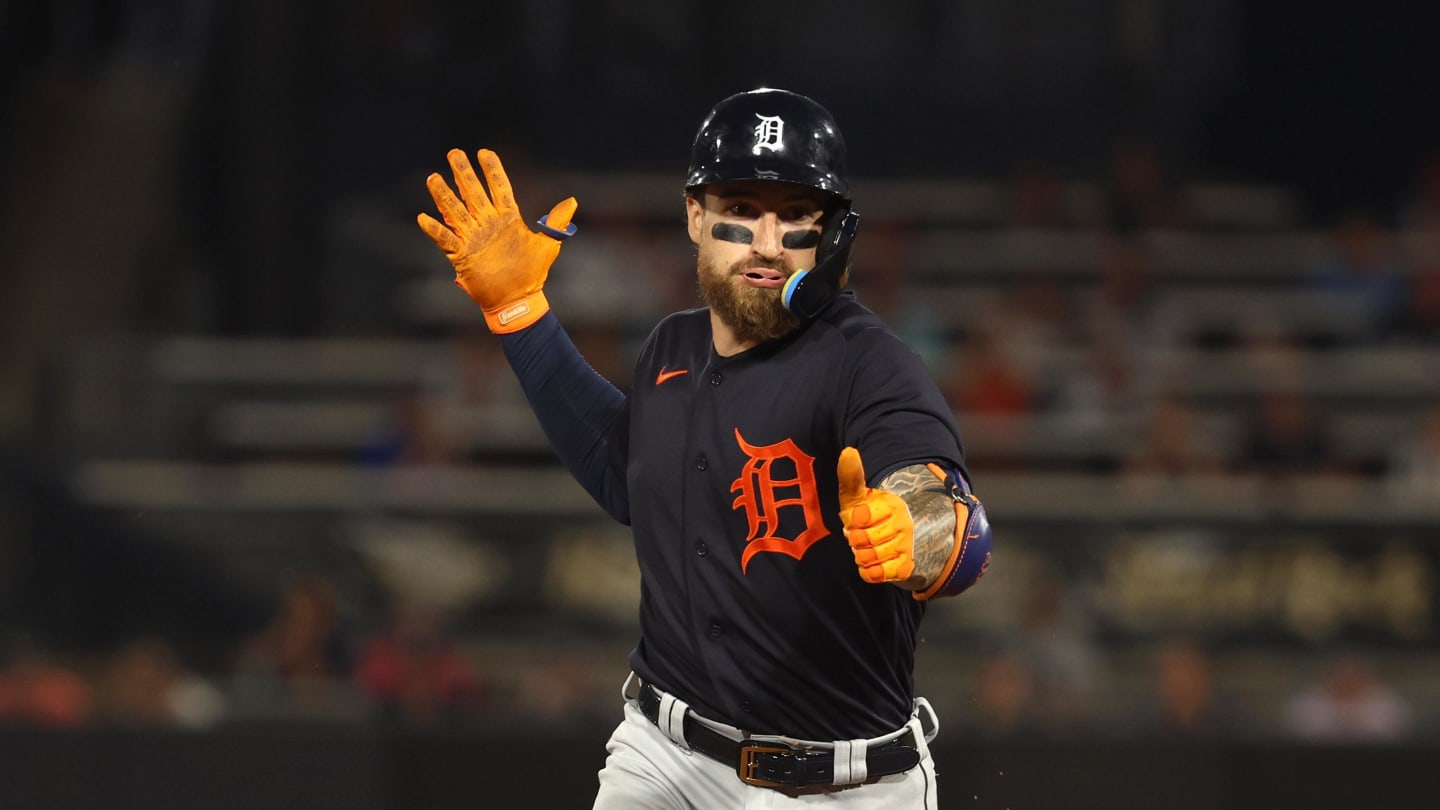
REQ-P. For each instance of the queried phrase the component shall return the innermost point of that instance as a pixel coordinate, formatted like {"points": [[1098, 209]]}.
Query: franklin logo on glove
{"points": [[499, 262]]}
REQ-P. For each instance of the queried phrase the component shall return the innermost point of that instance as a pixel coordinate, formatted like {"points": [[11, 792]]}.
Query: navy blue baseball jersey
{"points": [[752, 609]]}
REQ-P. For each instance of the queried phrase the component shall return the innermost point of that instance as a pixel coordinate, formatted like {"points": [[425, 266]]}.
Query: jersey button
{"points": [[746, 706], [716, 378], [716, 630], [701, 549], [701, 462]]}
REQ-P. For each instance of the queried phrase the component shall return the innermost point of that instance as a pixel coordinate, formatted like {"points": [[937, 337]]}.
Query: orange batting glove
{"points": [[877, 524], [499, 262]]}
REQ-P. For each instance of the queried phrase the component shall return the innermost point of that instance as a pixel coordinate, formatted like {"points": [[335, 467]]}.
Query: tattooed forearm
{"points": [[934, 515]]}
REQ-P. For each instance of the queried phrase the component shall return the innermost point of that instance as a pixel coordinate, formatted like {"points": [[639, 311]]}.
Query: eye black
{"points": [[800, 240], [730, 232]]}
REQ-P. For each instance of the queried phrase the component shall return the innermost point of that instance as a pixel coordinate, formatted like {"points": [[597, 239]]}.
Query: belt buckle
{"points": [[749, 752]]}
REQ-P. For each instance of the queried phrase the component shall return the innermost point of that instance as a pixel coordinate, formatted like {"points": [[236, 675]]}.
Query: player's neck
{"points": [[727, 344]]}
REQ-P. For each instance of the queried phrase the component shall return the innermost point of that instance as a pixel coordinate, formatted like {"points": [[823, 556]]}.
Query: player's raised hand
{"points": [[499, 262], [878, 524]]}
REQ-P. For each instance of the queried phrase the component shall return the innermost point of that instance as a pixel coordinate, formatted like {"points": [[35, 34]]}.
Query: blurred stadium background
{"points": [[277, 529]]}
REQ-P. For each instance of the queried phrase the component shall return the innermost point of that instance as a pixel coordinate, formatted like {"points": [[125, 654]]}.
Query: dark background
{"points": [[206, 205]]}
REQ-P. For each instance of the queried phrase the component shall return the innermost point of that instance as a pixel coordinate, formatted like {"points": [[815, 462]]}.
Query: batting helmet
{"points": [[771, 134]]}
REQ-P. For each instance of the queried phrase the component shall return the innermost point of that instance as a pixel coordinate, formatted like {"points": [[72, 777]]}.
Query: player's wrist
{"points": [[517, 314]]}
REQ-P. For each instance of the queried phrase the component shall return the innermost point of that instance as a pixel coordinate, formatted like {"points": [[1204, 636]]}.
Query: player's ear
{"points": [[694, 215]]}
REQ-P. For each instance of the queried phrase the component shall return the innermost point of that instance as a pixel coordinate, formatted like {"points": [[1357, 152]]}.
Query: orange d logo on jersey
{"points": [[762, 495]]}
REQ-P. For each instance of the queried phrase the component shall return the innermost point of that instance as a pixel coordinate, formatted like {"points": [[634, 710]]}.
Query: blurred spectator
{"points": [[1037, 199], [462, 407], [144, 683], [1127, 284], [1421, 211], [416, 435], [1360, 286], [1273, 357], [478, 373], [1102, 394], [1283, 437], [36, 691], [559, 692], [1414, 463], [987, 380], [1056, 645], [1421, 317], [299, 665], [1172, 446], [1351, 704], [1186, 701], [1126, 307], [415, 674], [993, 395], [619, 275], [1003, 701], [1140, 194], [884, 257], [1036, 321]]}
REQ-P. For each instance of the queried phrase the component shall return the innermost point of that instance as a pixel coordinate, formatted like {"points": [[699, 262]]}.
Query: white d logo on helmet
{"points": [[768, 134]]}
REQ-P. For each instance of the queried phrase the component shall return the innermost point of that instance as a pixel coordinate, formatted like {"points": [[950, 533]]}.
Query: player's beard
{"points": [[754, 313]]}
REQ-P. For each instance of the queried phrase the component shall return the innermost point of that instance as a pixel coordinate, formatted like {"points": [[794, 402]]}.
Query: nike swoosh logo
{"points": [[665, 375]]}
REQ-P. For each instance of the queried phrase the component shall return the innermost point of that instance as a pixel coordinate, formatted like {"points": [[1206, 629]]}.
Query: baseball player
{"points": [[794, 479]]}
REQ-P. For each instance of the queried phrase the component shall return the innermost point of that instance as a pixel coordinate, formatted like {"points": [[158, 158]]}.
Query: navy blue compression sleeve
{"points": [[580, 411]]}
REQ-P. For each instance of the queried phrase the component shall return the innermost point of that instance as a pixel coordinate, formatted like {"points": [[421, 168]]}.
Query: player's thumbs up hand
{"points": [[498, 260], [878, 524]]}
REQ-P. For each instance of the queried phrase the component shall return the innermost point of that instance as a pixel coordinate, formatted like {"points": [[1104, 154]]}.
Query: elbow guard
{"points": [[970, 556]]}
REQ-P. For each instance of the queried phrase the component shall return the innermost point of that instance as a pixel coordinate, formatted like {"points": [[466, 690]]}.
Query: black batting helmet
{"points": [[770, 134]]}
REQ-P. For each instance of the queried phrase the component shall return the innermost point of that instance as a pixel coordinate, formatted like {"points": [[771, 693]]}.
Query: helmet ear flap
{"points": [[838, 232], [808, 292]]}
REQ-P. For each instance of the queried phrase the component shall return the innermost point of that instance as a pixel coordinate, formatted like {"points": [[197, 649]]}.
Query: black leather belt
{"points": [[776, 765]]}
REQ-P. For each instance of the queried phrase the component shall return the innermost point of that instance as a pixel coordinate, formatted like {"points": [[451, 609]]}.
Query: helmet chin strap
{"points": [[808, 292]]}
